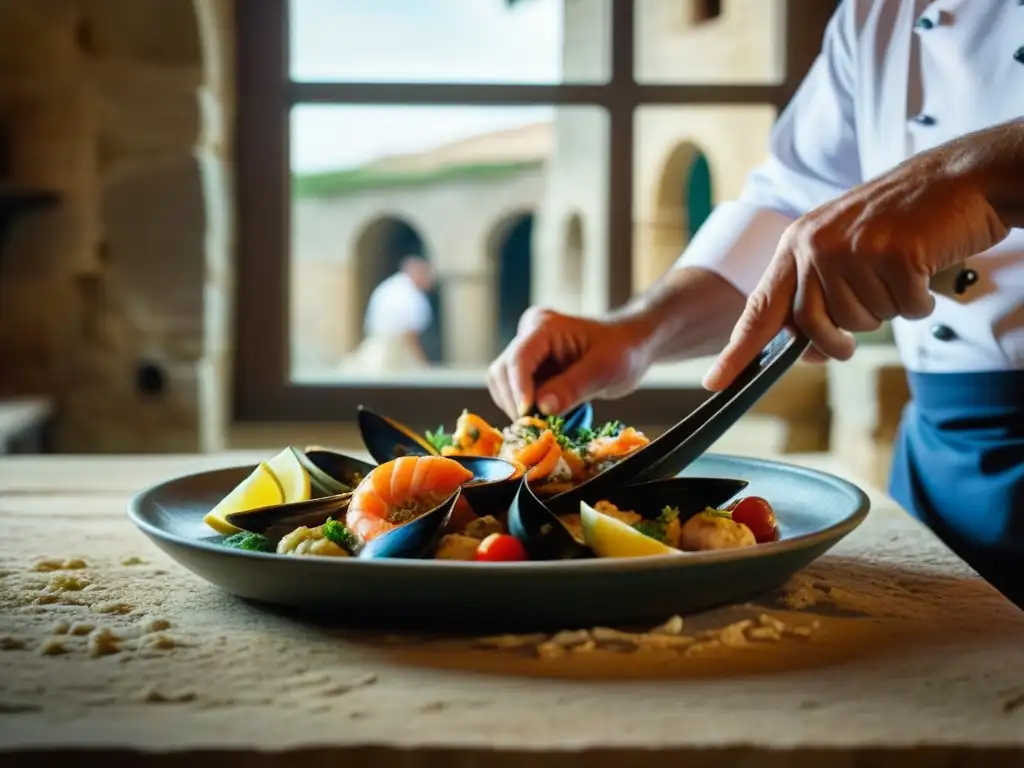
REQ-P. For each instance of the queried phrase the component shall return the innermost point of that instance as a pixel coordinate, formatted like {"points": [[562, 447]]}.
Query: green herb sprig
{"points": [[335, 531], [658, 527], [250, 542]]}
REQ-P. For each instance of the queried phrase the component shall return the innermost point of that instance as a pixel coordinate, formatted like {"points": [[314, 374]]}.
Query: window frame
{"points": [[262, 386]]}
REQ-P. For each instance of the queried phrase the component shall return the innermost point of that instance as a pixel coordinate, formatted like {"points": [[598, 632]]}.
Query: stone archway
{"points": [[379, 250], [510, 251], [573, 256], [683, 199]]}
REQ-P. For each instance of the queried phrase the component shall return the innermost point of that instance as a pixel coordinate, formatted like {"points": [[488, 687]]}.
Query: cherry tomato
{"points": [[500, 548], [757, 514]]}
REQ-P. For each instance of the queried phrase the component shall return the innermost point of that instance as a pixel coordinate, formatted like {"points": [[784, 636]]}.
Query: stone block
{"points": [[158, 32], [144, 113], [155, 228], [39, 40]]}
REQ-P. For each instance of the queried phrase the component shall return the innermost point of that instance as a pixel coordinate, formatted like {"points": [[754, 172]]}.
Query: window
{"points": [[433, 167]]}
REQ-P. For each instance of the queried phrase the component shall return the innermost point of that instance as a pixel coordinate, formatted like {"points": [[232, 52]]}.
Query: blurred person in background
{"points": [[900, 156], [397, 314]]}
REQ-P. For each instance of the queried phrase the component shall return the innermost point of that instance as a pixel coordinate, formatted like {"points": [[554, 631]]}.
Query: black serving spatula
{"points": [[670, 453]]}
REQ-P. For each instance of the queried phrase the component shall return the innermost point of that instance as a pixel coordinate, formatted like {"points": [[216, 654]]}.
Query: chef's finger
{"points": [[910, 291], [810, 314], [845, 307], [525, 355], [574, 385], [501, 391]]}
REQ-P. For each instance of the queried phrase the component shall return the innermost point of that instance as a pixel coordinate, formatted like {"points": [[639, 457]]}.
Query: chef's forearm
{"points": [[690, 312]]}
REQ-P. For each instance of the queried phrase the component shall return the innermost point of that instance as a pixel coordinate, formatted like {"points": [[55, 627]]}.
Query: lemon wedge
{"points": [[258, 490], [609, 537], [292, 476]]}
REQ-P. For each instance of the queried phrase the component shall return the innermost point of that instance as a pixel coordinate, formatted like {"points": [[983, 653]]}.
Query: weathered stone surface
{"points": [[888, 642]]}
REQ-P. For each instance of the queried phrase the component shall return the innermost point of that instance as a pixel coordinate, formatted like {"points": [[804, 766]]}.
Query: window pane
{"points": [[460, 41], [711, 41], [507, 204], [686, 160]]}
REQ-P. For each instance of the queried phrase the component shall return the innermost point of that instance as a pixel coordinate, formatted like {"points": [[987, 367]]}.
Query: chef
{"points": [[894, 189], [397, 315]]}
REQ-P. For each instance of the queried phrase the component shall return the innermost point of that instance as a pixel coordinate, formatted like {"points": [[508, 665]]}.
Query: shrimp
{"points": [[576, 465], [541, 456], [474, 437], [623, 444], [401, 490]]}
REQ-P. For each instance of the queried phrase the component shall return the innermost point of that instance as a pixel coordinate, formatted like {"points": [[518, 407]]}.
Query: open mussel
{"points": [[386, 439], [279, 519], [493, 487], [546, 528], [414, 539], [331, 473], [580, 417]]}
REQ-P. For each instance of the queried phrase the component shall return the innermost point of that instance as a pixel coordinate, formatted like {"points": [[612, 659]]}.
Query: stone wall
{"points": [[116, 302]]}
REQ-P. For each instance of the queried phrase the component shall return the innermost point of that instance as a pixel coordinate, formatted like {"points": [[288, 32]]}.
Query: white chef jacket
{"points": [[396, 307], [894, 78]]}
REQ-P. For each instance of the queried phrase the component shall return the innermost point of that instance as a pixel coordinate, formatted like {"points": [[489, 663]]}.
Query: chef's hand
{"points": [[597, 358], [864, 258]]}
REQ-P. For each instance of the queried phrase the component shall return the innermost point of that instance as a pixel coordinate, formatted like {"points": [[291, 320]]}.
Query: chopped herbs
{"points": [[658, 527], [582, 436], [335, 531], [439, 439], [718, 513], [251, 542]]}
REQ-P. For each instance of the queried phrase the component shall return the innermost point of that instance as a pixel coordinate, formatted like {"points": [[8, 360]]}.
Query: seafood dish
{"points": [[321, 503], [556, 453]]}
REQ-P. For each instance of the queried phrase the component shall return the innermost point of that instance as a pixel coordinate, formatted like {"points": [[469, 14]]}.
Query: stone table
{"points": [[887, 648]]}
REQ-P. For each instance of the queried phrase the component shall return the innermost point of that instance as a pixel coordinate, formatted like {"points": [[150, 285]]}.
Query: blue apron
{"points": [[958, 466]]}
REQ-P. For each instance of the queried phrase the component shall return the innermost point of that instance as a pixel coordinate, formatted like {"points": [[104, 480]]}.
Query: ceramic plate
{"points": [[815, 510]]}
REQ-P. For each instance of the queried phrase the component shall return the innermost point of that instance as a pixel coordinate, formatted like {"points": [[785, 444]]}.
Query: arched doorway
{"points": [[698, 192], [380, 249], [512, 257], [682, 201]]}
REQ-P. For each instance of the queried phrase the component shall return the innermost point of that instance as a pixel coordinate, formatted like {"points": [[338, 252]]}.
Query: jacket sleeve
{"points": [[813, 158]]}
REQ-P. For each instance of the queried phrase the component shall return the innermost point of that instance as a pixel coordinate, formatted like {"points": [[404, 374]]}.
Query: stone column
{"points": [[470, 313]]}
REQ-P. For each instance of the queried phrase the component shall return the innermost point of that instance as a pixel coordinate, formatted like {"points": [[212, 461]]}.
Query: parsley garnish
{"points": [[335, 531], [251, 542], [658, 527], [439, 439]]}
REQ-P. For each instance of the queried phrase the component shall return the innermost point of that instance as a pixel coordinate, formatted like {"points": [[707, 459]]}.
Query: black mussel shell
{"points": [[415, 539], [287, 517], [540, 532], [331, 472], [493, 487], [580, 417], [386, 439], [690, 495], [536, 523]]}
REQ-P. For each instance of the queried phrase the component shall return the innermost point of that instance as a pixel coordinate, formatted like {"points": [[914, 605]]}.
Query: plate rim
{"points": [[833, 533]]}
